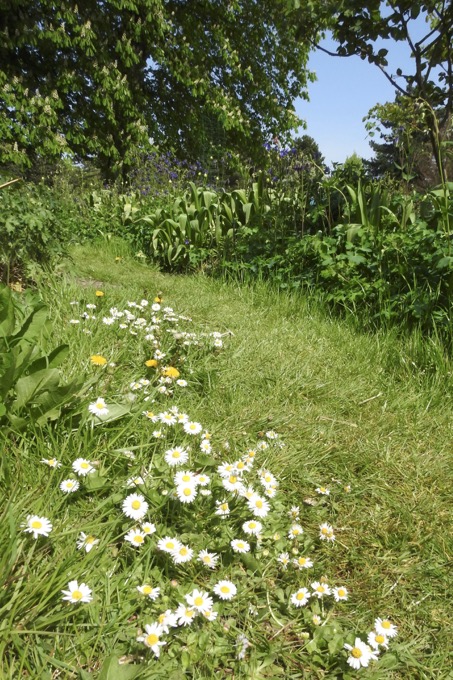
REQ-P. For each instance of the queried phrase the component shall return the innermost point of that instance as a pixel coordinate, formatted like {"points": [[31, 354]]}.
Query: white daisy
{"points": [[182, 554], [284, 559], [302, 562], [320, 589], [77, 593], [135, 537], [202, 479], [300, 597], [206, 446], [86, 542], [151, 637], [185, 477], [295, 531], [38, 526], [225, 469], [252, 527], [326, 532], [168, 544], [135, 481], [324, 491], [208, 559], [377, 640], [69, 485], [210, 614], [167, 620], [223, 509], [148, 528], [340, 593], [98, 407], [186, 492], [192, 427], [259, 506], [386, 627], [185, 615], [240, 546], [167, 418], [226, 590], [82, 467], [176, 456], [149, 591], [360, 654], [51, 462], [135, 506], [199, 600], [232, 483], [181, 383]]}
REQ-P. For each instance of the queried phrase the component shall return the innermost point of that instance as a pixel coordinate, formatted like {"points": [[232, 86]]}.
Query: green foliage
{"points": [[31, 392], [201, 224], [32, 229], [97, 79]]}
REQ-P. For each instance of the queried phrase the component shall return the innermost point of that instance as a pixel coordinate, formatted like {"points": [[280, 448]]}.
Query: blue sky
{"points": [[346, 89]]}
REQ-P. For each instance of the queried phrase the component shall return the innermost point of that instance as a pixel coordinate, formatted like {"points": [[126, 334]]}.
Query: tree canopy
{"points": [[98, 78]]}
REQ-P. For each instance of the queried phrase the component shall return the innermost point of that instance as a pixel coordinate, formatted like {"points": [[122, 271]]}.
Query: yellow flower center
{"points": [[138, 539], [380, 639], [186, 478], [176, 454], [90, 539], [224, 506], [84, 466], [324, 531], [341, 592], [320, 589], [302, 561], [161, 618], [187, 491], [252, 525], [183, 552], [198, 601], [146, 590], [76, 595], [300, 596], [52, 461], [240, 465], [259, 504], [136, 505], [207, 559], [356, 652], [240, 545], [170, 545], [386, 624], [224, 589], [233, 479], [152, 639], [36, 524]]}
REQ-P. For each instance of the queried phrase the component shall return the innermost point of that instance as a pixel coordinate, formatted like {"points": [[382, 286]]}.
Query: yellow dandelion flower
{"points": [[98, 360], [151, 363], [171, 372], [99, 293]]}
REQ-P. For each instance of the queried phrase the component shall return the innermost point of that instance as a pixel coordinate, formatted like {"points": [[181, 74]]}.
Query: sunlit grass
{"points": [[355, 416]]}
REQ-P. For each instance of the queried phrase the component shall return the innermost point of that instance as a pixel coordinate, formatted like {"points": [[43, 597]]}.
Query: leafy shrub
{"points": [[30, 232], [31, 392]]}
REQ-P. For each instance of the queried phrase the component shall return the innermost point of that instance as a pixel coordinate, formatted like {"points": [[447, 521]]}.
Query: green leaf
{"points": [[94, 482], [116, 411], [6, 312], [113, 670], [28, 386]]}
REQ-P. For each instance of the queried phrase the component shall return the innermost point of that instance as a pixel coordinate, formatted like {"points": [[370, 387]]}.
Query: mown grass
{"points": [[352, 409]]}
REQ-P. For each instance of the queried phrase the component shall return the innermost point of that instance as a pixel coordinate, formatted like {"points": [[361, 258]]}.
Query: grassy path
{"points": [[349, 408], [353, 412]]}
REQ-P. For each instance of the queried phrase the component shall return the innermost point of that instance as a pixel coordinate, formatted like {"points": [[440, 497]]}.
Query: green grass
{"points": [[372, 412]]}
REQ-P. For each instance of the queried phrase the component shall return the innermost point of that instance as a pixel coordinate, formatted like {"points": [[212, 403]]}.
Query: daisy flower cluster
{"points": [[193, 518]]}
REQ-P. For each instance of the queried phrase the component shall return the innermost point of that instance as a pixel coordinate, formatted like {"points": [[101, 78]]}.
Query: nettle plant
{"points": [[217, 568]]}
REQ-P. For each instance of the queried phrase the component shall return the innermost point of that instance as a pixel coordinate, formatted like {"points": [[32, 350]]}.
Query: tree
{"points": [[357, 28], [98, 78]]}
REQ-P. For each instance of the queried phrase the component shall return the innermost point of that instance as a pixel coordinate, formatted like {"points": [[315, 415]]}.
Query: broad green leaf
{"points": [[6, 312], [113, 670], [29, 385]]}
